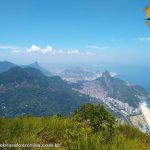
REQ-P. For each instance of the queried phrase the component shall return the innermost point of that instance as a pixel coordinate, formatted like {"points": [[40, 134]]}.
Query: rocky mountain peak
{"points": [[106, 74], [35, 64]]}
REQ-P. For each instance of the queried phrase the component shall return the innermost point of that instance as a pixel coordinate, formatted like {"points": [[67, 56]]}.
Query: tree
{"points": [[96, 116]]}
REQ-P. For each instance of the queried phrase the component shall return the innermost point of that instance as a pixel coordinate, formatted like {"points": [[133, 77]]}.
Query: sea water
{"points": [[147, 102]]}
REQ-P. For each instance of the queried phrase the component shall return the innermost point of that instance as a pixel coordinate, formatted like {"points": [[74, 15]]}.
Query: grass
{"points": [[69, 134]]}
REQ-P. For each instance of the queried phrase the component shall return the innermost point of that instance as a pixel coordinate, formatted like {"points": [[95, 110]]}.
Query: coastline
{"points": [[145, 112]]}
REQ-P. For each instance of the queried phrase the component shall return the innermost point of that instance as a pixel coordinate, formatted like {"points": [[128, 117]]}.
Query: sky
{"points": [[108, 32]]}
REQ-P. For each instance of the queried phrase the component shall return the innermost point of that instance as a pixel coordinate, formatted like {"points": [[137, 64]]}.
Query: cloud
{"points": [[98, 47], [15, 51], [75, 51], [35, 48], [78, 52], [60, 51], [48, 49], [104, 48], [93, 47], [89, 53], [144, 39], [8, 47]]}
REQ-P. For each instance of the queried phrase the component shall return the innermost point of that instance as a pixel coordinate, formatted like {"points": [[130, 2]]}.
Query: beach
{"points": [[146, 113]]}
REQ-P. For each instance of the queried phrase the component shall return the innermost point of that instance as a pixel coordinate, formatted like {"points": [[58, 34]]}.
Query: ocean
{"points": [[139, 75], [147, 102]]}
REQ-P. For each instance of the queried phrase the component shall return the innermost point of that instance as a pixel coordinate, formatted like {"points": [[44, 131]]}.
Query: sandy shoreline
{"points": [[146, 113]]}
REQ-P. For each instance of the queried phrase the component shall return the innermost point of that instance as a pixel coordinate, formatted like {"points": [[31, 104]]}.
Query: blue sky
{"points": [[74, 31]]}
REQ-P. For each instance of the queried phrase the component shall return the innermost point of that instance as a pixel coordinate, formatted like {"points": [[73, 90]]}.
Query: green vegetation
{"points": [[5, 65], [75, 133], [96, 116], [119, 89], [115, 88], [26, 91]]}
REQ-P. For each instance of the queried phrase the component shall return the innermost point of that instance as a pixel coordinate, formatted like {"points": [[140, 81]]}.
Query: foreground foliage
{"points": [[73, 134]]}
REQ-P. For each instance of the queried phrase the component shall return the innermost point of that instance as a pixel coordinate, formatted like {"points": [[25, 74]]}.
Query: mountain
{"points": [[5, 65], [26, 91], [74, 74], [43, 70], [108, 86]]}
